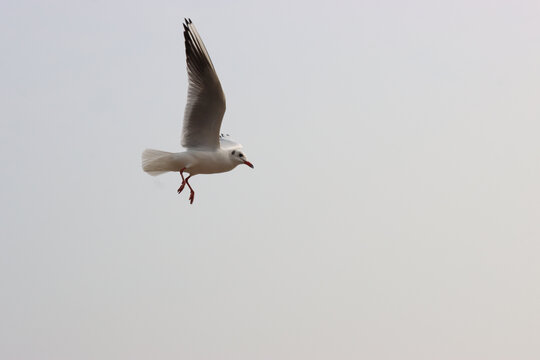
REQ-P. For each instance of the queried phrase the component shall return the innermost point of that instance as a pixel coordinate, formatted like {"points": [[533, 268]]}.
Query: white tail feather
{"points": [[156, 162]]}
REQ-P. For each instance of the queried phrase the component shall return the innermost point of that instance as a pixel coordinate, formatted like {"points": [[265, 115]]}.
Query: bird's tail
{"points": [[156, 162]]}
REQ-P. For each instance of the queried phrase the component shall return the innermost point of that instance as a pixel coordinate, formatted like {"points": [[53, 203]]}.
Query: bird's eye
{"points": [[234, 152]]}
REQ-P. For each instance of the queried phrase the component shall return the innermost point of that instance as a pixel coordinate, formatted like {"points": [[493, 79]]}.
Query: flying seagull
{"points": [[207, 152]]}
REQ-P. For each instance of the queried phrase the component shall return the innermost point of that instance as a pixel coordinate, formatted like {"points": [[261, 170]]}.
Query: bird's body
{"points": [[194, 162], [206, 151]]}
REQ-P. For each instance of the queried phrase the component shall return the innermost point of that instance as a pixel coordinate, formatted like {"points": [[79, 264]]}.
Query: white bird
{"points": [[207, 152]]}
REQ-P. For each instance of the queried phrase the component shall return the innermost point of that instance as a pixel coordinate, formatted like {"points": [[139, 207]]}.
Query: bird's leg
{"points": [[183, 181], [192, 194]]}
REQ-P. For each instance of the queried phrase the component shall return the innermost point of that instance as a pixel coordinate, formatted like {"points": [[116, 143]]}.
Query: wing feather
{"points": [[227, 143], [206, 101]]}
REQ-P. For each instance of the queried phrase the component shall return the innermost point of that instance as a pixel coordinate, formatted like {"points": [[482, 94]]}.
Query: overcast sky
{"points": [[393, 212]]}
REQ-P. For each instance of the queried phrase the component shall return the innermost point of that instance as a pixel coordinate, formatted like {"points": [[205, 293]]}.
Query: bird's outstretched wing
{"points": [[206, 101], [227, 143]]}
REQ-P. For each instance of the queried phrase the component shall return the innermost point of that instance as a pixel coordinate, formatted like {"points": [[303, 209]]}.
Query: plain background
{"points": [[393, 212]]}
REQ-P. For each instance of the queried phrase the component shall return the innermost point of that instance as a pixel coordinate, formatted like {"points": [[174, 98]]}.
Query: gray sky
{"points": [[393, 212]]}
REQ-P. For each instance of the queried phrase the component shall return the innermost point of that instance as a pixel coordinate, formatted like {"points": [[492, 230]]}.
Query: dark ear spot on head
{"points": [[234, 152]]}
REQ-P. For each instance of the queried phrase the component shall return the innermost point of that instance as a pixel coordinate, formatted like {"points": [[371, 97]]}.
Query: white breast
{"points": [[209, 162]]}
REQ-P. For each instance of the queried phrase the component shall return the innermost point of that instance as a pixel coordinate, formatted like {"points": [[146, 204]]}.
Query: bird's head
{"points": [[239, 157]]}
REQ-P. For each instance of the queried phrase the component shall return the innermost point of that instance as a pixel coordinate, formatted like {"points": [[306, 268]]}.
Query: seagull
{"points": [[207, 151]]}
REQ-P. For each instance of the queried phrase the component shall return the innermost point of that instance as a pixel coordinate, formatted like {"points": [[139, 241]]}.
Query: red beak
{"points": [[249, 164]]}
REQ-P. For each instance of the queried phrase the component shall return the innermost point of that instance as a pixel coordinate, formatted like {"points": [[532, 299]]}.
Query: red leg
{"points": [[183, 181], [192, 194]]}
